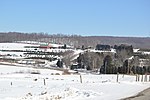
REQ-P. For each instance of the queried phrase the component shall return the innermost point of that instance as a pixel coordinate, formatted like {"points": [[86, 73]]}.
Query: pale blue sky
{"points": [[82, 17]]}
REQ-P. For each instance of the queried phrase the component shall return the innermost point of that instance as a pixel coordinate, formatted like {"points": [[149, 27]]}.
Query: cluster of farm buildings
{"points": [[29, 52]]}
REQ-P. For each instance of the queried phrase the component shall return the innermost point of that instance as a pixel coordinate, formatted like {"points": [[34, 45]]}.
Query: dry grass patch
{"points": [[65, 72]]}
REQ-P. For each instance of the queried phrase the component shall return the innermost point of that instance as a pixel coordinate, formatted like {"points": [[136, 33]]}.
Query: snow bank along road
{"points": [[22, 83]]}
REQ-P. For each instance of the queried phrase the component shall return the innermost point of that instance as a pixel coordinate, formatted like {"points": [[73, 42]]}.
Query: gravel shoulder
{"points": [[144, 95]]}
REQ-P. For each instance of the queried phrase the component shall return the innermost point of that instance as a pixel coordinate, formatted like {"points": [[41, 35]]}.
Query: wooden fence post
{"points": [[117, 76], [142, 78], [145, 78], [136, 77], [123, 76], [44, 82], [80, 78]]}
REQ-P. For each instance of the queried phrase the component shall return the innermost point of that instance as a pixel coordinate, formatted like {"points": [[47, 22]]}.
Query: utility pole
{"points": [[105, 66], [128, 67]]}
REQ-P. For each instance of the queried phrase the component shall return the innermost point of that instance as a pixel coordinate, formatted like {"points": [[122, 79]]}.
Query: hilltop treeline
{"points": [[75, 40]]}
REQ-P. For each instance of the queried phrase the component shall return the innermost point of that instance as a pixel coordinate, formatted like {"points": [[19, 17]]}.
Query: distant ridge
{"points": [[76, 40], [138, 42]]}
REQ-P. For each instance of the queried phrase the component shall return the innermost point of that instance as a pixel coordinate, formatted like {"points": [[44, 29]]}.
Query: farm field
{"points": [[25, 83]]}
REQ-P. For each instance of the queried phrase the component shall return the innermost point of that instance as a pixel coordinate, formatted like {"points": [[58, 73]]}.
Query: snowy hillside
{"points": [[15, 46], [26, 49], [21, 83]]}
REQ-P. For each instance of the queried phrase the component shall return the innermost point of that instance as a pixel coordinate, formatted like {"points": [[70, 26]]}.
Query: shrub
{"points": [[65, 72], [57, 74]]}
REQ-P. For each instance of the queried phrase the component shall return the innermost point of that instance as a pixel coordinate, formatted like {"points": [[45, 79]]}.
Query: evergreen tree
{"points": [[59, 63], [107, 63]]}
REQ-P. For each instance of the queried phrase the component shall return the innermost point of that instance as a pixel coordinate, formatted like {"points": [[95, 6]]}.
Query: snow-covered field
{"points": [[19, 83]]}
